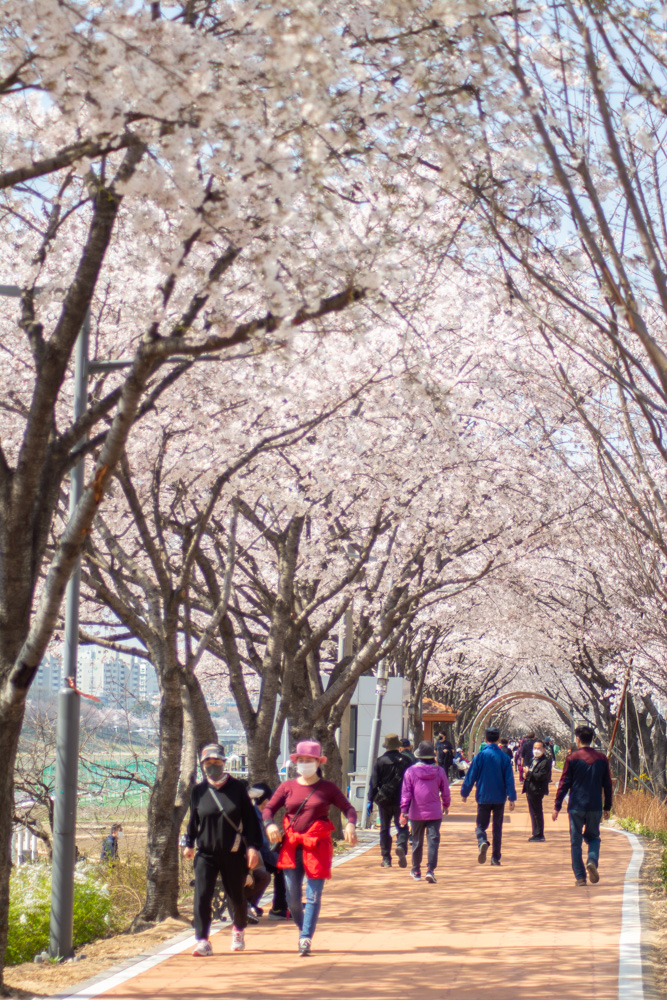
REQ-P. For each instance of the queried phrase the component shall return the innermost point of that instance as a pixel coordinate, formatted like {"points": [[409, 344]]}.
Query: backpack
{"points": [[387, 793]]}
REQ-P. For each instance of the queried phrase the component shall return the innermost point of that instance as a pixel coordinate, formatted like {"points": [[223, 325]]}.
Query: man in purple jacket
{"points": [[424, 786], [585, 776]]}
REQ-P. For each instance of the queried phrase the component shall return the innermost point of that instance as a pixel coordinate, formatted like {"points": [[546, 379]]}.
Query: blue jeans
{"points": [[305, 919], [584, 826]]}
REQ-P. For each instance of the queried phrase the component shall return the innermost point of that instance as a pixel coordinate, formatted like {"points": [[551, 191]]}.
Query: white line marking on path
{"points": [[630, 966], [118, 978]]}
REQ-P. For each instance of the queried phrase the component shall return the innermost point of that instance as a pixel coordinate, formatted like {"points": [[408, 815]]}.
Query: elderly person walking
{"points": [[307, 848], [491, 772], [423, 790]]}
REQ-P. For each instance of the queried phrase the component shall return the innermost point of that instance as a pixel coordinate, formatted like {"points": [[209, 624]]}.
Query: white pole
{"points": [[33, 847], [380, 692]]}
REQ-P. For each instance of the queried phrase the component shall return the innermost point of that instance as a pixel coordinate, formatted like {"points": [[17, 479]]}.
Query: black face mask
{"points": [[214, 771]]}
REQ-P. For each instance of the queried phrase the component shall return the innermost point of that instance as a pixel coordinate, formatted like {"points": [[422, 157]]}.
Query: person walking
{"points": [[504, 746], [110, 844], [445, 752], [535, 787], [406, 750], [586, 776], [224, 825], [424, 788], [259, 794], [385, 791], [491, 773], [527, 750], [307, 848]]}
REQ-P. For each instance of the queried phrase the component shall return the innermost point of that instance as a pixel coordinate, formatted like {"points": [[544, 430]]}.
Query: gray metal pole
{"points": [[67, 731], [374, 745]]}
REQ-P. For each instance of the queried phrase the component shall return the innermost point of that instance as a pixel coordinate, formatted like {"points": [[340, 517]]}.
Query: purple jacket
{"points": [[423, 786]]}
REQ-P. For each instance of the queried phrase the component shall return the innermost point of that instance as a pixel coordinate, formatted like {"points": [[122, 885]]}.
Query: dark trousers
{"points": [[430, 827], [484, 813], [584, 826], [536, 810], [261, 879], [389, 814], [232, 868]]}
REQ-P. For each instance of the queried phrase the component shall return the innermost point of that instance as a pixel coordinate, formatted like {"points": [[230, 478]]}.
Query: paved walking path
{"points": [[481, 933]]}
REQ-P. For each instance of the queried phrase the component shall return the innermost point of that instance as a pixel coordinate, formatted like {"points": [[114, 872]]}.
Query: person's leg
{"points": [[433, 842], [261, 881], [314, 887], [386, 816], [233, 872], [418, 827], [206, 874], [294, 883], [402, 834], [539, 815], [592, 836], [577, 821], [483, 817], [279, 891], [498, 811]]}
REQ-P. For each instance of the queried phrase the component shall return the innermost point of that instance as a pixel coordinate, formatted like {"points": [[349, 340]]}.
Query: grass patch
{"points": [[638, 812]]}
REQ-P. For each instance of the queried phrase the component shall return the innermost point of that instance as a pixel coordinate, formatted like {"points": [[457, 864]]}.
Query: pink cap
{"points": [[308, 748]]}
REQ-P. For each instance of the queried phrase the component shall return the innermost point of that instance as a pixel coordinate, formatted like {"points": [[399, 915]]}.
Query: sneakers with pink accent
{"points": [[203, 948], [238, 939]]}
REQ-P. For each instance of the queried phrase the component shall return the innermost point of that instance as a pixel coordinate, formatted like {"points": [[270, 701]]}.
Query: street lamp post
{"points": [[380, 692]]}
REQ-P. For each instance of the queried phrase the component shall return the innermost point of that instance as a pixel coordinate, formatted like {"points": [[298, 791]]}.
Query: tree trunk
{"points": [[164, 814], [11, 718]]}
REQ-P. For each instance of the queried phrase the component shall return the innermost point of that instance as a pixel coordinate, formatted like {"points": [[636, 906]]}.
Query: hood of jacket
{"points": [[427, 772]]}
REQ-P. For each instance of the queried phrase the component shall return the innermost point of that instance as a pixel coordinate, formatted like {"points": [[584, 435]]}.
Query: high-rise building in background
{"points": [[119, 680]]}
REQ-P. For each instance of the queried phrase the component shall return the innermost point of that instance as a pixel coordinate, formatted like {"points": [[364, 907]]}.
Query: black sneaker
{"points": [[593, 874], [252, 917], [278, 915], [581, 881], [495, 863], [536, 840], [481, 857], [402, 860], [417, 875], [386, 863], [430, 877]]}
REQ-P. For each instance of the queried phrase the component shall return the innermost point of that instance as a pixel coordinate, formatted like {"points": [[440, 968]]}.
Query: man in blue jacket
{"points": [[491, 771], [585, 776]]}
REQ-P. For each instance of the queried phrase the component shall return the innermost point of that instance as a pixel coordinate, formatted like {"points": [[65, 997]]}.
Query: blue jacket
{"points": [[585, 776], [491, 771]]}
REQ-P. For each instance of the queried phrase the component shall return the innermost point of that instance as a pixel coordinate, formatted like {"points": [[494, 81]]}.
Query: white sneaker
{"points": [[304, 946], [203, 948], [238, 939]]}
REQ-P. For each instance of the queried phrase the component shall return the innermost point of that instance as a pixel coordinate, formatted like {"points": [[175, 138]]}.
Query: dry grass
{"points": [[643, 808]]}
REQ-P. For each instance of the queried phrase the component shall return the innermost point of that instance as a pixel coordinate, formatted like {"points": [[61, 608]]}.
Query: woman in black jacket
{"points": [[225, 826], [536, 786]]}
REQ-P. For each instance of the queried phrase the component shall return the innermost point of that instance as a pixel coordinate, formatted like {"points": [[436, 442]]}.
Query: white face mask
{"points": [[307, 768], [538, 752]]}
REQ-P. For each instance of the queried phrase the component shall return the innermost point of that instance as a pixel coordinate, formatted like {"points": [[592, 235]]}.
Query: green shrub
{"points": [[30, 908]]}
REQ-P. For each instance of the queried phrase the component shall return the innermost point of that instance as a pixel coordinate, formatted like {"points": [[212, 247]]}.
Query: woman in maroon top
{"points": [[307, 848]]}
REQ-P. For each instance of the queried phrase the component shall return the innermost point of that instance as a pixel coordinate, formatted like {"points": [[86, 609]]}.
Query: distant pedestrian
{"points": [[504, 746], [586, 777], [306, 846], [445, 752], [425, 797], [527, 750], [535, 787], [406, 750], [110, 843], [385, 791], [224, 825], [491, 772]]}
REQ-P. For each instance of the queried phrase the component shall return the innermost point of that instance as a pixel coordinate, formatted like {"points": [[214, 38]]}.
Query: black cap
{"points": [[404, 742]]}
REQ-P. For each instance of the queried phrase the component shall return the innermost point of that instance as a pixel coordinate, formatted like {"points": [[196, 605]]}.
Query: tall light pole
{"points": [[380, 692]]}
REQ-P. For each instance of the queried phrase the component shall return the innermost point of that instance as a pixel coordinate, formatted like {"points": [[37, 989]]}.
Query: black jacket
{"points": [[208, 826], [537, 779], [527, 752], [391, 763], [445, 752]]}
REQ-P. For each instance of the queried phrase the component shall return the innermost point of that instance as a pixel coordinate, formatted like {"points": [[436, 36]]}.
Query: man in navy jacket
{"points": [[586, 777], [491, 771]]}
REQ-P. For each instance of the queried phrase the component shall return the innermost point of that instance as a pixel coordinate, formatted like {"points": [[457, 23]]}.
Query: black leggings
{"points": [[232, 868]]}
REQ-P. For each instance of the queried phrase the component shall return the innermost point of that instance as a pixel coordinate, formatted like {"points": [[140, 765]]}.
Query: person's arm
{"points": [[470, 778], [252, 828], [608, 789], [275, 803], [406, 792], [445, 793], [510, 787], [564, 786], [375, 782], [341, 802]]}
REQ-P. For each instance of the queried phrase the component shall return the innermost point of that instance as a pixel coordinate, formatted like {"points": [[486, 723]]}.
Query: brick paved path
{"points": [[520, 931]]}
